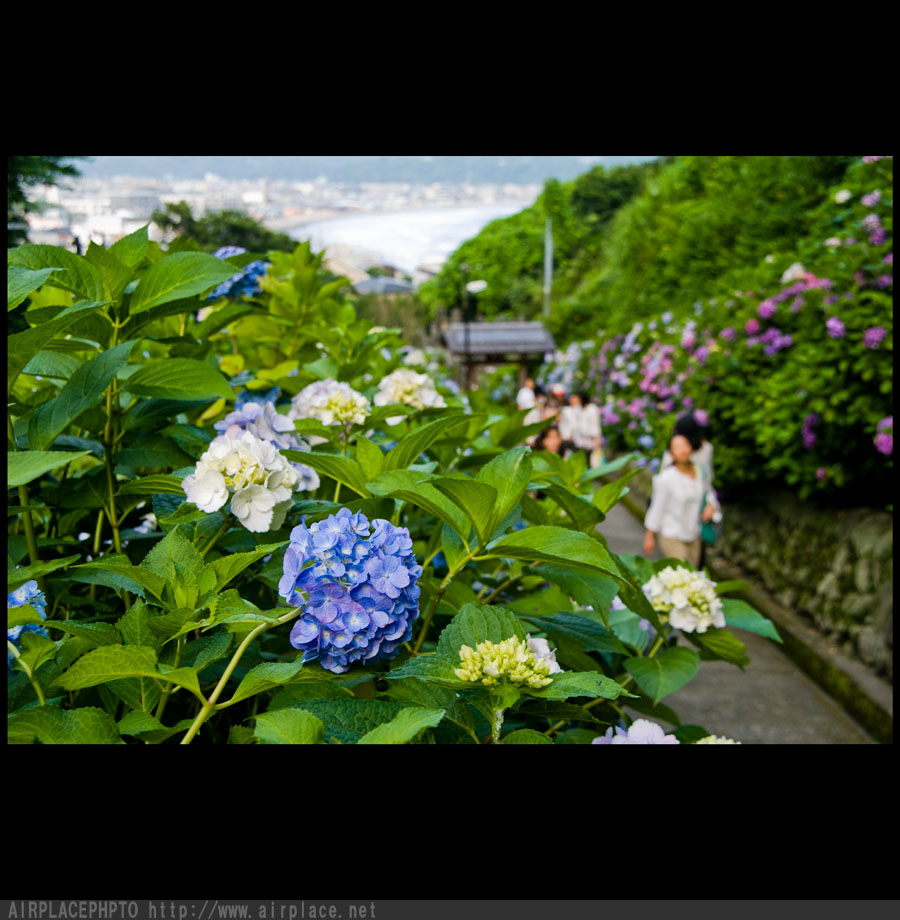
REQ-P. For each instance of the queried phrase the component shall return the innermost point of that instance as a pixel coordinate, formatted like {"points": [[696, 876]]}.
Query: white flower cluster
{"points": [[330, 402], [528, 662], [250, 471], [409, 388], [688, 598], [717, 739]]}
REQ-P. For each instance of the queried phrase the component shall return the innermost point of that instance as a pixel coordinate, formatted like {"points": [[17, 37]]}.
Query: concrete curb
{"points": [[862, 695]]}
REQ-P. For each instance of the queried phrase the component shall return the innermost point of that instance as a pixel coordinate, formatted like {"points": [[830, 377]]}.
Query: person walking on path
{"points": [[682, 493], [694, 426]]}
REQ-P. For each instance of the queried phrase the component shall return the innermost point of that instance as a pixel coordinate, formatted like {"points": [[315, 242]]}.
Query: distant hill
{"points": [[476, 170]]}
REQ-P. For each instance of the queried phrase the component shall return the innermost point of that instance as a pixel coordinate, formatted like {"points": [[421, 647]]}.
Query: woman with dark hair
{"points": [[682, 495], [695, 427], [550, 440]]}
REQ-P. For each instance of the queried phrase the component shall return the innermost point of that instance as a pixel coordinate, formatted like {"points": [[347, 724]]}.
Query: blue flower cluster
{"points": [[245, 281], [361, 589], [26, 594]]}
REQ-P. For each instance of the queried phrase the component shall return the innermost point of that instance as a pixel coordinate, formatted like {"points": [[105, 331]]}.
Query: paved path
{"points": [[769, 702]]}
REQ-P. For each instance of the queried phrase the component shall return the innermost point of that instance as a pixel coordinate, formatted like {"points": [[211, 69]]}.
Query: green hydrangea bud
{"points": [[512, 659]]}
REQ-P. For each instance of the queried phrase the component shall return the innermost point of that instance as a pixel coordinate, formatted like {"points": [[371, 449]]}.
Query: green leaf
{"points": [[114, 273], [212, 649], [82, 391], [132, 249], [740, 614], [161, 484], [266, 676], [557, 545], [108, 663], [368, 456], [724, 645], [407, 450], [177, 276], [289, 726], [70, 271], [23, 346], [342, 469], [403, 727], [23, 466], [47, 363], [667, 672], [98, 634], [346, 721], [589, 589], [134, 626], [582, 513], [570, 631], [22, 616], [525, 736], [476, 500], [580, 683], [508, 474], [606, 496], [606, 468], [228, 567], [20, 282], [477, 623], [122, 567], [178, 378], [723, 587], [415, 488], [51, 725], [16, 577]]}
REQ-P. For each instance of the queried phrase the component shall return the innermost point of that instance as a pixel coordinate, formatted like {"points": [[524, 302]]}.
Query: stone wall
{"points": [[834, 567]]}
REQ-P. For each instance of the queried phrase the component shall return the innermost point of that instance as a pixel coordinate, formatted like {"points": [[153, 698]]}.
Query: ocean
{"points": [[404, 239]]}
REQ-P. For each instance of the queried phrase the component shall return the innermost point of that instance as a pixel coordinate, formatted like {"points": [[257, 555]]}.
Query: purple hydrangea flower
{"points": [[752, 326], [701, 417], [878, 236], [873, 159], [642, 731], [889, 259], [821, 473], [728, 334], [809, 438], [871, 199], [361, 589], [835, 327], [884, 444], [884, 281], [25, 594], [873, 337], [766, 309]]}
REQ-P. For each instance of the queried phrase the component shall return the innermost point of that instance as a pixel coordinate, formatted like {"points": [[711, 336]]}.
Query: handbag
{"points": [[709, 531]]}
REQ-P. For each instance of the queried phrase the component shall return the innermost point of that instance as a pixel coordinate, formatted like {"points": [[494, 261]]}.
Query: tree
{"points": [[23, 172], [221, 228]]}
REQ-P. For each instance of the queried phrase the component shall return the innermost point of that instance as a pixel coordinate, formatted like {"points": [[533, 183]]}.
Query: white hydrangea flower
{"points": [[843, 195], [331, 403], [415, 358], [542, 651], [688, 598], [795, 273], [259, 480], [409, 388], [717, 739]]}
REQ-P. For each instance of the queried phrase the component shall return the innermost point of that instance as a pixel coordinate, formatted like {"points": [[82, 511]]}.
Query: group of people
{"points": [[683, 497], [576, 421]]}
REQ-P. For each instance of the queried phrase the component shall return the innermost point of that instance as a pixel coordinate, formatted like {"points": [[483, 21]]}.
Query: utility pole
{"points": [[548, 263]]}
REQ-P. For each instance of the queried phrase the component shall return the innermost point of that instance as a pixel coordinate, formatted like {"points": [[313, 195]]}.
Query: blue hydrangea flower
{"points": [[257, 396], [25, 594], [358, 589], [245, 282]]}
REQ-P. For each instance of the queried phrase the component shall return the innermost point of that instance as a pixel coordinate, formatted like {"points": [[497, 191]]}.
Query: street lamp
{"points": [[471, 287]]}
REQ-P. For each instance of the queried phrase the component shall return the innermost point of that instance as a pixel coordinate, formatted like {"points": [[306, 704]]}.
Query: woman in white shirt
{"points": [[680, 492]]}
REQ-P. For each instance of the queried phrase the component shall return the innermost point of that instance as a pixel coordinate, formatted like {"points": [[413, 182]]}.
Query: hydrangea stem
{"points": [[209, 705], [215, 538], [28, 672], [27, 522]]}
